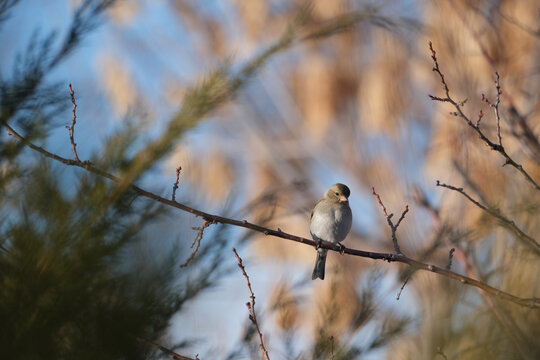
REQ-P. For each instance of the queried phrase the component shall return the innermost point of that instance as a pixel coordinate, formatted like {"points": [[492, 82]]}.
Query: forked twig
{"points": [[389, 220], [197, 241]]}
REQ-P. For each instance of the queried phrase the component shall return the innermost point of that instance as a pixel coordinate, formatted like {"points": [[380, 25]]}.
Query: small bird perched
{"points": [[331, 220]]}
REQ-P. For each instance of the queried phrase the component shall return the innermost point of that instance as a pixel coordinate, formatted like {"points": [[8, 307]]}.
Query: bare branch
{"points": [[450, 256], [175, 185], [404, 283], [472, 271], [251, 305], [496, 107], [71, 128], [417, 265], [507, 223], [498, 147], [389, 220], [525, 133], [379, 199], [402, 215], [197, 241]]}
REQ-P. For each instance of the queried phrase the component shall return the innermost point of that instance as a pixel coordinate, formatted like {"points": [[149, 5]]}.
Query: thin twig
{"points": [[379, 199], [450, 256], [507, 223], [417, 265], [496, 107], [197, 241], [480, 116], [498, 147], [175, 185], [165, 350], [251, 305], [71, 128], [402, 216], [389, 220], [404, 283]]}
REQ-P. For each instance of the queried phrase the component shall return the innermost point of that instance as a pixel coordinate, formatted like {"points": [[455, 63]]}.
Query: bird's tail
{"points": [[318, 271]]}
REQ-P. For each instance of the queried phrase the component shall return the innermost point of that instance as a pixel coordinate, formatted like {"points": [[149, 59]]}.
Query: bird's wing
{"points": [[311, 217]]}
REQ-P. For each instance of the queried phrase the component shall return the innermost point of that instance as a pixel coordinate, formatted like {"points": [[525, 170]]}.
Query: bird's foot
{"points": [[319, 244], [341, 248]]}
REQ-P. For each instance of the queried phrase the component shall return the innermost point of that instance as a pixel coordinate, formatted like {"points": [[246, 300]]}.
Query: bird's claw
{"points": [[341, 248], [319, 244]]}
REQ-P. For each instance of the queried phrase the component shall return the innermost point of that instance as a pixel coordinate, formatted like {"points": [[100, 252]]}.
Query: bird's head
{"points": [[338, 192]]}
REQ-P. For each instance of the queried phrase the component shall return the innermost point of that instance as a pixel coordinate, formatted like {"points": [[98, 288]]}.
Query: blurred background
{"points": [[344, 98]]}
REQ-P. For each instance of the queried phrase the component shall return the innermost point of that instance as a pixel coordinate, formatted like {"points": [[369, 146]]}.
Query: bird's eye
{"points": [[337, 194]]}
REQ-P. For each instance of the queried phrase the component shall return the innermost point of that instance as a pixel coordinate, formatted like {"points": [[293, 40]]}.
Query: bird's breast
{"points": [[331, 225]]}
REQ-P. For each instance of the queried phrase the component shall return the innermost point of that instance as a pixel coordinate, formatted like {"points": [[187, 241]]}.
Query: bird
{"points": [[331, 221]]}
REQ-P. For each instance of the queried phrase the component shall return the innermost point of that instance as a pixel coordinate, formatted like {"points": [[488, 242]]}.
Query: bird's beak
{"points": [[343, 199]]}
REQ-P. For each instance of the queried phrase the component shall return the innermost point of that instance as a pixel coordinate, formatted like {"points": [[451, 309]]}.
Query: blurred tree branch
{"points": [[222, 85], [26, 88], [501, 315], [5, 6]]}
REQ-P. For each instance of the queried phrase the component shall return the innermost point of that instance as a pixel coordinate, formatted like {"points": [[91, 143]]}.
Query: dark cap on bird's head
{"points": [[339, 192]]}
